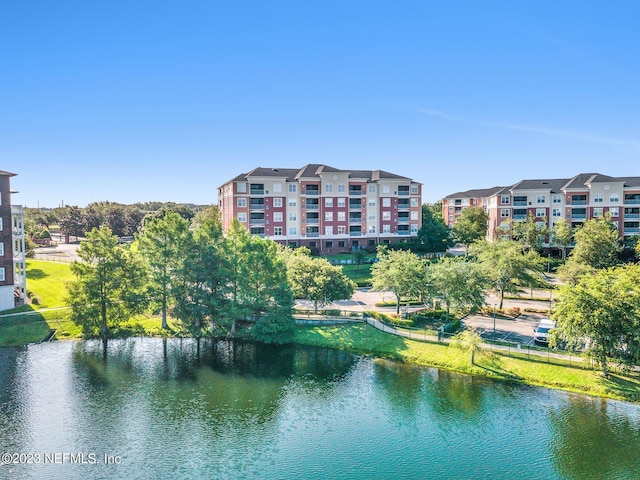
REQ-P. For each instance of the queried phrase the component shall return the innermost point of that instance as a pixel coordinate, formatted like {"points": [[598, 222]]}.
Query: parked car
{"points": [[541, 332]]}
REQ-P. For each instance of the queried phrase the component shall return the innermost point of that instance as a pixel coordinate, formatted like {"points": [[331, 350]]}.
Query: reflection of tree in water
{"points": [[402, 385], [9, 399], [8, 359], [455, 397], [590, 436]]}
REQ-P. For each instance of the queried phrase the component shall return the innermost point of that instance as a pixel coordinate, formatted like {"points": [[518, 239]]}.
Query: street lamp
{"points": [[495, 305]]}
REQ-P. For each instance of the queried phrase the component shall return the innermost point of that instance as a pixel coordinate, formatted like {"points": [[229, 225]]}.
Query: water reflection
{"points": [[215, 409], [594, 438]]}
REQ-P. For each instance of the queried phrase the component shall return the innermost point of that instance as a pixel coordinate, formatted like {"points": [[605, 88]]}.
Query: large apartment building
{"points": [[13, 278], [576, 199], [324, 208]]}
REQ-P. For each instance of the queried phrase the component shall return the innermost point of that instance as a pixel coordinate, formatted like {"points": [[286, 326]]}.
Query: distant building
{"points": [[324, 208], [13, 278], [577, 199]]}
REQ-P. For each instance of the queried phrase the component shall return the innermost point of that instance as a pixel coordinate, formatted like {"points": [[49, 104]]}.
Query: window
{"points": [[505, 199], [328, 202], [386, 188], [277, 216], [242, 202], [342, 216], [292, 202], [557, 198], [2, 278], [292, 217], [342, 202], [615, 212], [372, 189], [328, 244], [414, 228], [414, 215], [328, 230], [614, 198], [541, 198], [372, 202], [293, 231], [505, 226], [342, 188], [386, 229], [242, 187], [557, 212], [505, 212], [414, 202], [277, 231], [1, 225], [598, 212], [372, 229], [341, 244], [414, 189], [386, 216], [277, 187], [1, 249], [293, 188], [342, 230], [597, 198], [541, 212], [386, 202], [242, 217], [328, 216], [277, 202], [372, 217], [328, 188]]}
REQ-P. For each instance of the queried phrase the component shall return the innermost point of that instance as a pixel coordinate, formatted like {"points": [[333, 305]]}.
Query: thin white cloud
{"points": [[534, 129]]}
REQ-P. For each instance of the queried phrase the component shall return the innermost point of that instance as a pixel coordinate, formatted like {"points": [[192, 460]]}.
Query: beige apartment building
{"points": [[327, 209], [577, 199]]}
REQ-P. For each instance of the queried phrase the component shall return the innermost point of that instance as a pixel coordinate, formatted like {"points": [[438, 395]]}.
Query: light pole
{"points": [[494, 317]]}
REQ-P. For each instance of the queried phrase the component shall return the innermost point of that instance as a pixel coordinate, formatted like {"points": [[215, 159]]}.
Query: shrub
{"points": [[390, 319]]}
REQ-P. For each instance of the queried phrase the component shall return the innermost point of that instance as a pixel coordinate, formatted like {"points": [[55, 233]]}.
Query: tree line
{"points": [[190, 271]]}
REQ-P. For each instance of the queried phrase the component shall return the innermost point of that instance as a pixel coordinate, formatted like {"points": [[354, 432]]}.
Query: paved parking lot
{"points": [[519, 330]]}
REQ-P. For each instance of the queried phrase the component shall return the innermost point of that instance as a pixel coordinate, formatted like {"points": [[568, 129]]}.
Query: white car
{"points": [[541, 332]]}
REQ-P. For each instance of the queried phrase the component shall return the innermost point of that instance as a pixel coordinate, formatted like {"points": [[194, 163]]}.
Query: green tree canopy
{"points": [[401, 272], [602, 311], [109, 285], [457, 282], [562, 236], [530, 233], [317, 280], [471, 226], [597, 244], [506, 267], [434, 235], [164, 243]]}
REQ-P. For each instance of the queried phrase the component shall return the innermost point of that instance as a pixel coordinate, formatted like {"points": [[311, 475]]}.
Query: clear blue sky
{"points": [[155, 100]]}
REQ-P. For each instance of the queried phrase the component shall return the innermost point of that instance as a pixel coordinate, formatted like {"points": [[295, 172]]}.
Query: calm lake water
{"points": [[174, 410]]}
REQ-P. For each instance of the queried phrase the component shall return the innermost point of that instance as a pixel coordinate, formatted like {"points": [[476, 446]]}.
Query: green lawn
{"points": [[361, 274], [366, 340]]}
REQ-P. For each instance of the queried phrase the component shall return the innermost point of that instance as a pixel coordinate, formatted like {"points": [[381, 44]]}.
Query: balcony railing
{"points": [[632, 215], [519, 217], [311, 192], [632, 231], [256, 206], [402, 193], [403, 232], [403, 206], [577, 202], [520, 203], [312, 235], [632, 201], [313, 221], [355, 220], [256, 191], [355, 192], [355, 234], [311, 206], [255, 221], [578, 216]]}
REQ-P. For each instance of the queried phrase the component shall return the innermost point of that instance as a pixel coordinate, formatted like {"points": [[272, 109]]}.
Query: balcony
{"points": [[256, 221], [256, 206], [355, 205], [403, 205], [632, 215], [403, 219], [355, 219], [311, 205], [311, 191], [403, 191], [313, 221], [256, 189], [632, 199], [355, 191], [631, 231], [578, 216], [312, 235], [519, 203], [519, 218]]}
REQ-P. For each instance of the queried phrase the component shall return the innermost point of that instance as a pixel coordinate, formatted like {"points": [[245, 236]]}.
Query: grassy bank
{"points": [[366, 340]]}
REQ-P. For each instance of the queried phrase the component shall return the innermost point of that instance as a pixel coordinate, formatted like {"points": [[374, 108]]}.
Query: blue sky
{"points": [[136, 101]]}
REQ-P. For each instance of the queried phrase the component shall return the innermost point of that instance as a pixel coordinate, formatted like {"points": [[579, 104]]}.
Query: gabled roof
{"points": [[552, 184], [630, 181], [477, 193], [7, 174], [579, 181]]}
